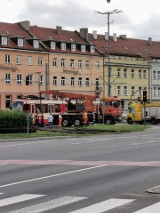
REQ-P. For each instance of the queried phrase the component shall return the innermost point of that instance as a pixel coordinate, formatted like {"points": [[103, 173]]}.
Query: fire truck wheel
{"points": [[77, 121], [109, 120], [66, 122], [129, 121]]}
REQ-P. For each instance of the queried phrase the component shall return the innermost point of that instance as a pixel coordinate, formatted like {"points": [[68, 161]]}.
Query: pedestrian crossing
{"points": [[100, 207]]}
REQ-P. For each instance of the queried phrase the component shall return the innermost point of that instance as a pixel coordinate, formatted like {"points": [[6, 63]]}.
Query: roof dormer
{"points": [[18, 40], [4, 40]]}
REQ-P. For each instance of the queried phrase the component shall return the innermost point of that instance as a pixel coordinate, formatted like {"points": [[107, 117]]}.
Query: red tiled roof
{"points": [[13, 30], [65, 36], [127, 46]]}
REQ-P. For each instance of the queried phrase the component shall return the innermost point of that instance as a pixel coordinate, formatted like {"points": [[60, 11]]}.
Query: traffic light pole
{"points": [[144, 112]]}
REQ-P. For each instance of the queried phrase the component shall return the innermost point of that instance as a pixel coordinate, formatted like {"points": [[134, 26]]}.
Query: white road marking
{"points": [[103, 206], [141, 143], [42, 207], [155, 208], [17, 199], [51, 176]]}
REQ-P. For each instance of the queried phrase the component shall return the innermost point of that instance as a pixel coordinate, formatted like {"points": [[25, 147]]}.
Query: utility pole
{"points": [[108, 13]]}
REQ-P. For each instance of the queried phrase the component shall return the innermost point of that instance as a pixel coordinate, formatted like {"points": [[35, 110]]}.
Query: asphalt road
{"points": [[103, 173]]}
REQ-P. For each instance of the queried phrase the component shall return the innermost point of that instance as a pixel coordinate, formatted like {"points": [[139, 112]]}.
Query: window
{"points": [[41, 79], [72, 63], [73, 47], [132, 90], [63, 81], [55, 82], [140, 74], [20, 42], [63, 62], [63, 46], [29, 60], [55, 60], [97, 65], [8, 78], [132, 73], [35, 43], [19, 79], [140, 91], [158, 91], [4, 40], [72, 81], [83, 48], [80, 81], [40, 61], [80, 64], [8, 101], [125, 73], [125, 90], [144, 74], [118, 72], [97, 84], [87, 82], [92, 49], [53, 45], [87, 64], [19, 59], [154, 74], [154, 91], [7, 59], [30, 79], [118, 90], [158, 75]]}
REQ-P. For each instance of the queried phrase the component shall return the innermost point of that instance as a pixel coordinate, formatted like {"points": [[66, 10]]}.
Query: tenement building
{"points": [[34, 59]]}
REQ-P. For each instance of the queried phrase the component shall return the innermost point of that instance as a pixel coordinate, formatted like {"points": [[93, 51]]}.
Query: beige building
{"points": [[35, 59]]}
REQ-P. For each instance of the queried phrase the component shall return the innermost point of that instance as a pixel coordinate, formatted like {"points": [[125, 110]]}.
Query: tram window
{"points": [[25, 107], [45, 108]]}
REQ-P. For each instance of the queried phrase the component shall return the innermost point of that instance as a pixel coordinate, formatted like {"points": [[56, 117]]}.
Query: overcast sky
{"points": [[138, 19]]}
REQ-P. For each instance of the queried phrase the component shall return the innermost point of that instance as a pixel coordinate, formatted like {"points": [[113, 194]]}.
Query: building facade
{"points": [[34, 59]]}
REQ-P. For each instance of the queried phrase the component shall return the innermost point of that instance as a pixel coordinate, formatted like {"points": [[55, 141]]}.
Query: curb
{"points": [[154, 190]]}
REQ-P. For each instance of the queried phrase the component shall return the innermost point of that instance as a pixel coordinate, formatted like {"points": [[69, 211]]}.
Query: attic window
{"points": [[63, 46], [4, 40], [20, 42], [53, 45], [73, 47], [92, 49], [83, 48], [35, 43]]}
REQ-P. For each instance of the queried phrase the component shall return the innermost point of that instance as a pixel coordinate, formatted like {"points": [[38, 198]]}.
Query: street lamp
{"points": [[108, 13]]}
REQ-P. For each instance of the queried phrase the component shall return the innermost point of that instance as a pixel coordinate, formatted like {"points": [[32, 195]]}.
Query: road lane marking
{"points": [[42, 207], [155, 208], [103, 206], [50, 176], [18, 199], [141, 143]]}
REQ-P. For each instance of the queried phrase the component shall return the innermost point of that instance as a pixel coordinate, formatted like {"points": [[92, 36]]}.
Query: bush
{"points": [[14, 119]]}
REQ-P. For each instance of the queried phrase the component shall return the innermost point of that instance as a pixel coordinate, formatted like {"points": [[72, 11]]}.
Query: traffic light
{"points": [[144, 96], [27, 80]]}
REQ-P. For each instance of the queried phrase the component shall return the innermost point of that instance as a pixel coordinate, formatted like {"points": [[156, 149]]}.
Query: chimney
{"points": [[114, 36], [106, 36], [94, 34], [59, 30], [25, 25], [84, 33], [149, 41]]}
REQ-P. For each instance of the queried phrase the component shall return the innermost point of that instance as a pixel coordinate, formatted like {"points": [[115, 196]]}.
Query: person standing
{"points": [[50, 121], [85, 118]]}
